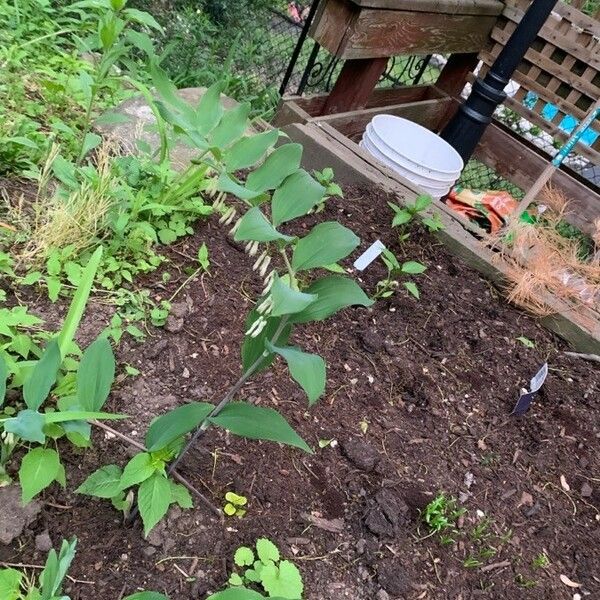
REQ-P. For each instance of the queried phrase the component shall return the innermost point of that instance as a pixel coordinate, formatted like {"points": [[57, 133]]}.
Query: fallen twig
{"points": [[496, 565], [174, 474]]}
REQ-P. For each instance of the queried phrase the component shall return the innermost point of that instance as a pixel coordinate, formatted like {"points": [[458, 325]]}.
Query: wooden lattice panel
{"points": [[562, 68]]}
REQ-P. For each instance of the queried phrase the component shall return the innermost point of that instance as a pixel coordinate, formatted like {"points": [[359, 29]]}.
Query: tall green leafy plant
{"points": [[35, 422], [277, 191], [15, 585]]}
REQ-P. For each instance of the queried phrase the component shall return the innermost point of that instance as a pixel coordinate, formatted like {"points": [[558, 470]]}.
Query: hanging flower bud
{"points": [[265, 266]]}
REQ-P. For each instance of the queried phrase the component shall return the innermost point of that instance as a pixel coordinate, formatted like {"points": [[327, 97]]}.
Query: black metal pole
{"points": [[466, 127], [296, 53]]}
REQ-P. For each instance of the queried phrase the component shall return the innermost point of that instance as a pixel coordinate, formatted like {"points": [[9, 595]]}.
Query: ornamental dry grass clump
{"points": [[543, 260], [76, 218]]}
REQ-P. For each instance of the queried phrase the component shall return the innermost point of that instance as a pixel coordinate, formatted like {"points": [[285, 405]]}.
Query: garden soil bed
{"points": [[418, 401]]}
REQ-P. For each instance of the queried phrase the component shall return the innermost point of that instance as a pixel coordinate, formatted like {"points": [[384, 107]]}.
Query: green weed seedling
{"points": [[441, 515], [18, 585], [541, 561], [234, 505], [405, 215], [266, 570], [388, 286]]}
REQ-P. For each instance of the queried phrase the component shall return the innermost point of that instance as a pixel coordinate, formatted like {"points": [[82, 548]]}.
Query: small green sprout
{"points": [[441, 515], [526, 342], [234, 504], [541, 561]]}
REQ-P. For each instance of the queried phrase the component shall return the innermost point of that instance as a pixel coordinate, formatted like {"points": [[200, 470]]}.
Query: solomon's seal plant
{"points": [[296, 291]]}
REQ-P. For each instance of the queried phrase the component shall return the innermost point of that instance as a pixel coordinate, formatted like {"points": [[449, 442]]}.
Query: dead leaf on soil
{"points": [[331, 525], [526, 500], [569, 582]]}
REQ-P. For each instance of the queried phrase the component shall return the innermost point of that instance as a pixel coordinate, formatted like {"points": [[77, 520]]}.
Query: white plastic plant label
{"points": [[369, 255]]}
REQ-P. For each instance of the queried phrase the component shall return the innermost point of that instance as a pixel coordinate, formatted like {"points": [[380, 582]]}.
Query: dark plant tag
{"points": [[526, 396]]}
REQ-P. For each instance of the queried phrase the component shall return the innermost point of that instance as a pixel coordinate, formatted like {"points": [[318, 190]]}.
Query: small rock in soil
{"points": [[13, 516], [377, 524], [393, 578], [43, 543], [173, 324], [371, 341], [361, 454], [180, 310], [382, 595], [586, 490], [157, 349]]}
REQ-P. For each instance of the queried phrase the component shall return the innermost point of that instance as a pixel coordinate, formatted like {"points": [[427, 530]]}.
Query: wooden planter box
{"points": [[354, 29]]}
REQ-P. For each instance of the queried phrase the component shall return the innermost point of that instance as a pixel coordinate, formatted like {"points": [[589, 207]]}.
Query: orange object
{"points": [[489, 207]]}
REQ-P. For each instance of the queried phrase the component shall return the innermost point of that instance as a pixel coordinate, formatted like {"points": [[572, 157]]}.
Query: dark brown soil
{"points": [[418, 401]]}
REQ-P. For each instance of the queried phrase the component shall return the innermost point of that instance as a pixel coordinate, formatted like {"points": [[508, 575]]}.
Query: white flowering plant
{"points": [[298, 288]]}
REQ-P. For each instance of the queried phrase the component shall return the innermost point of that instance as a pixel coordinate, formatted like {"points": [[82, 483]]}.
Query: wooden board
{"points": [[452, 7], [324, 145], [352, 32], [424, 112]]}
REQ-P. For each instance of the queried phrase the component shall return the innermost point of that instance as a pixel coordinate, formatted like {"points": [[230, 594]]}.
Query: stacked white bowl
{"points": [[414, 152]]}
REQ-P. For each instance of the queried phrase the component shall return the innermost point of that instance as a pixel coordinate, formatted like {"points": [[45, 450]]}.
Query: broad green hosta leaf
{"points": [[281, 163], [258, 423], [154, 499], [3, 378], [39, 468], [287, 301], [95, 375], [172, 425], [210, 110], [28, 425], [226, 184], [10, 584], [256, 227], [232, 126], [254, 347], [295, 197], [71, 323], [103, 483], [168, 92], [55, 570], [327, 243], [283, 580], [308, 370], [180, 495], [334, 293], [239, 593], [138, 469], [249, 150], [147, 596], [37, 386]]}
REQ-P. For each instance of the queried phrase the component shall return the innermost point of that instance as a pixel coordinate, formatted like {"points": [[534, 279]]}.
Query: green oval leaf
{"points": [[287, 301], [172, 425], [232, 126], [39, 468], [281, 163], [249, 150], [334, 293], [413, 268], [28, 425], [37, 386], [138, 469], [103, 483], [95, 375], [255, 226], [295, 197], [327, 243], [258, 423], [154, 499], [308, 370]]}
